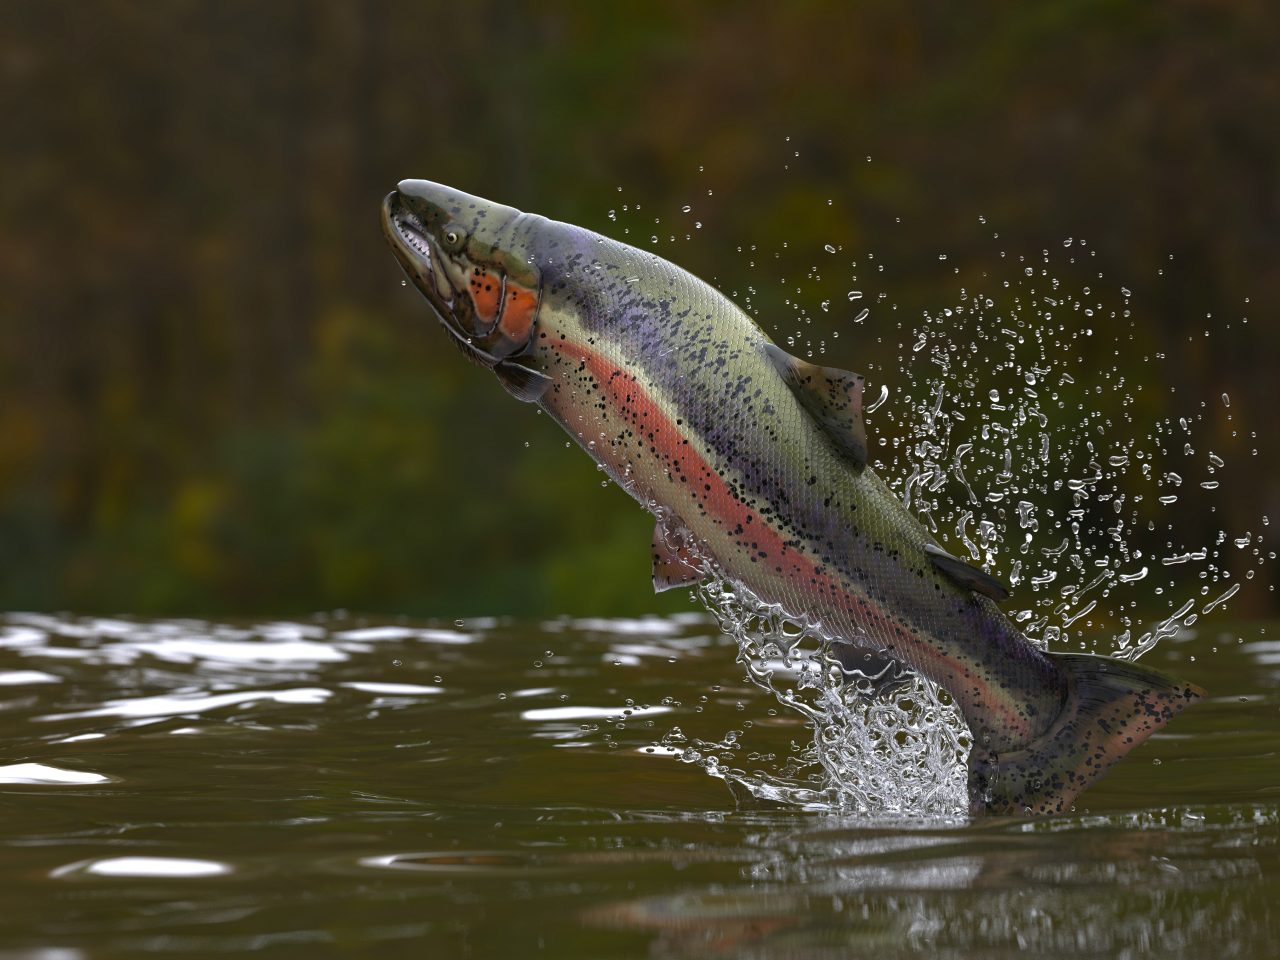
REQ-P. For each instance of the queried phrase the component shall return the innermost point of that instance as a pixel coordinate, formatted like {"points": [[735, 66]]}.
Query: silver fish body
{"points": [[755, 462]]}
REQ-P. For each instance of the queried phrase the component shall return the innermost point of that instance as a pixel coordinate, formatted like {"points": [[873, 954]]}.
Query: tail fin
{"points": [[1111, 707]]}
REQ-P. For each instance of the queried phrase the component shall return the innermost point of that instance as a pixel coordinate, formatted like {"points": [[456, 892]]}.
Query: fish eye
{"points": [[453, 238]]}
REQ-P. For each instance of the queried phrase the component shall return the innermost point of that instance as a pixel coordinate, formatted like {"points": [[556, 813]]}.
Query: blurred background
{"points": [[217, 398]]}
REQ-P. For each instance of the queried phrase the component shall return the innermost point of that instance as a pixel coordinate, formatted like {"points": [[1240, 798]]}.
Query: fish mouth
{"points": [[412, 246], [429, 270], [407, 231]]}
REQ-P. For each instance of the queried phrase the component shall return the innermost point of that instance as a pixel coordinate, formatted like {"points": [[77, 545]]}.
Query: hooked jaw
{"points": [[451, 245], [412, 248]]}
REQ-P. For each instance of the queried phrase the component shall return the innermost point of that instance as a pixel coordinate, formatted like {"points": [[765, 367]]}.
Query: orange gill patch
{"points": [[519, 308], [485, 288]]}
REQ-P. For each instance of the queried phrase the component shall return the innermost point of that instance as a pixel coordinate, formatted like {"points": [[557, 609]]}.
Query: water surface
{"points": [[491, 788]]}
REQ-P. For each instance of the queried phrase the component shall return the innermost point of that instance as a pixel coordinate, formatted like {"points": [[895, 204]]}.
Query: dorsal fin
{"points": [[965, 576], [673, 566], [832, 397]]}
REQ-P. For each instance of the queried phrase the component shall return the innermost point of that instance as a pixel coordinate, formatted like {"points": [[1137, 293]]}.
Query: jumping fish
{"points": [[755, 464]]}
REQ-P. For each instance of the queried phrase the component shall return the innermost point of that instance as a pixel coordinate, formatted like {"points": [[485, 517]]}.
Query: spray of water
{"points": [[990, 424]]}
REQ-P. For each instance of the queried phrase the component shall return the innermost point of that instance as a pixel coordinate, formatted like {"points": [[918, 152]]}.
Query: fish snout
{"points": [[412, 247], [435, 198]]}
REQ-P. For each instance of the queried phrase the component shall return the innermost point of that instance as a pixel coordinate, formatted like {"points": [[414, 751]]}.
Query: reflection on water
{"points": [[999, 886], [487, 788]]}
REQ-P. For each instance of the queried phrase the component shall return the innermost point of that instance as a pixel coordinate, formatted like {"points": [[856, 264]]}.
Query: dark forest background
{"points": [[216, 397]]}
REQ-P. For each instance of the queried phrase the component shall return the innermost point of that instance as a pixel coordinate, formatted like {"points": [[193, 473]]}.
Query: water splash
{"points": [[1000, 446], [990, 423], [884, 742]]}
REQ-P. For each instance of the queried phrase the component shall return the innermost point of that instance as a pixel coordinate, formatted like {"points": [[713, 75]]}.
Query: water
{"points": [[493, 789]]}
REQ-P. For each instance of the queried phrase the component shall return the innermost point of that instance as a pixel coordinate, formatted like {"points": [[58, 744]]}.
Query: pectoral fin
{"points": [[965, 576], [832, 397], [673, 565], [521, 382]]}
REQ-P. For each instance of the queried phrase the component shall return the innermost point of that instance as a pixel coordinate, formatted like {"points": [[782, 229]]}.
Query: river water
{"points": [[339, 787]]}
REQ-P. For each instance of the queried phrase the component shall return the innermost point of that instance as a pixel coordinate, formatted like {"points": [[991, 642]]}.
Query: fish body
{"points": [[754, 463]]}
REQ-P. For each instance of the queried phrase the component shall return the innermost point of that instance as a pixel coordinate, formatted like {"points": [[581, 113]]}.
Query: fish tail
{"points": [[1111, 706]]}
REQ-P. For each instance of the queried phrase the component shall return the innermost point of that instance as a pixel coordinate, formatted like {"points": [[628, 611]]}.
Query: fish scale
{"points": [[754, 463]]}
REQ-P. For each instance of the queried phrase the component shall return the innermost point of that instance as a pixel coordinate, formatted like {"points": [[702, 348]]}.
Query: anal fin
{"points": [[964, 575], [673, 565]]}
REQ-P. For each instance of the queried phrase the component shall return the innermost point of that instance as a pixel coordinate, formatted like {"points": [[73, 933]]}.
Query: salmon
{"points": [[754, 464]]}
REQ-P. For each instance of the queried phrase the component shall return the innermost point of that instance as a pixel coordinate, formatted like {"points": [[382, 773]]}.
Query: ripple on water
{"points": [[40, 773], [590, 713], [23, 678], [183, 704], [169, 868], [393, 689]]}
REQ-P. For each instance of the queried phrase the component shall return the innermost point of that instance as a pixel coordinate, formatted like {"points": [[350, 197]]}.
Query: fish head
{"points": [[469, 257]]}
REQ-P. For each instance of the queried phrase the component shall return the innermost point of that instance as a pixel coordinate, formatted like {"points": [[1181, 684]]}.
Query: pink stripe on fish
{"points": [[653, 429]]}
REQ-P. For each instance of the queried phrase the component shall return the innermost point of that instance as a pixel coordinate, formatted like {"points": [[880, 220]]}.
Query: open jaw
{"points": [[414, 249], [412, 237], [429, 269]]}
